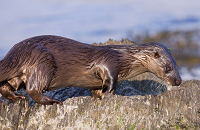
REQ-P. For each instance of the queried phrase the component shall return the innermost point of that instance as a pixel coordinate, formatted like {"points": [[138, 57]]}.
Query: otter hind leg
{"points": [[16, 83], [38, 80], [7, 93], [42, 99], [37, 95], [33, 89]]}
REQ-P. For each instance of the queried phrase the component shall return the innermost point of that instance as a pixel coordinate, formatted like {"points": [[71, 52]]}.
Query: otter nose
{"points": [[178, 82]]}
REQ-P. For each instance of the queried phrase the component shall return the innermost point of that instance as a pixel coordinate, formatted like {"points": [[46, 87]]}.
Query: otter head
{"points": [[158, 60]]}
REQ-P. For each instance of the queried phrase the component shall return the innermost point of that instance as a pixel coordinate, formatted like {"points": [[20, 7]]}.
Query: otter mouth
{"points": [[173, 81]]}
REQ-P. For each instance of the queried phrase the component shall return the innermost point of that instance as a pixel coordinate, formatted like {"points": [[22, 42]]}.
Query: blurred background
{"points": [[175, 24]]}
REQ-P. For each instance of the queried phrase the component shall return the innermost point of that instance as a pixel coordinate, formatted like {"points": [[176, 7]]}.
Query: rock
{"points": [[178, 108], [144, 84]]}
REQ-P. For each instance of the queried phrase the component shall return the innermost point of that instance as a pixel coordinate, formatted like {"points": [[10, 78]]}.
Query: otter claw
{"points": [[59, 102], [15, 97], [19, 96], [108, 90]]}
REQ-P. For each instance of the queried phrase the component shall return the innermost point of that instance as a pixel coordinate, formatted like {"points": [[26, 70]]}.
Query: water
{"points": [[193, 73], [93, 21]]}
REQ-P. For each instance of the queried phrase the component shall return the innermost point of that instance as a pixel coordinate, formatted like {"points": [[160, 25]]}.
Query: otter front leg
{"points": [[98, 93], [7, 93], [109, 79]]}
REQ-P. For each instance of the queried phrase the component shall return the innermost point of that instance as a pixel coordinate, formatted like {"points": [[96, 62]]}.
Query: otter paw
{"points": [[19, 96]]}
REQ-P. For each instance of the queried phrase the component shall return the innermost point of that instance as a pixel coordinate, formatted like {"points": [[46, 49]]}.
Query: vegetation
{"points": [[185, 45]]}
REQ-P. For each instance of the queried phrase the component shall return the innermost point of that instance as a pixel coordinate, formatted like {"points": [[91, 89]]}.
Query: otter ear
{"points": [[156, 55]]}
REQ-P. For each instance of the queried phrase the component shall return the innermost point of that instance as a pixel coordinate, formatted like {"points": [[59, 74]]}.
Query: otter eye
{"points": [[156, 55], [168, 69]]}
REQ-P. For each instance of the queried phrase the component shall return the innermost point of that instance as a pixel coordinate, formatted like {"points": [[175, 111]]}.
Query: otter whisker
{"points": [[161, 84], [150, 80]]}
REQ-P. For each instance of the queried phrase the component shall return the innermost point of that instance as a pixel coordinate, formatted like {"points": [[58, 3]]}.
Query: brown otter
{"points": [[46, 63]]}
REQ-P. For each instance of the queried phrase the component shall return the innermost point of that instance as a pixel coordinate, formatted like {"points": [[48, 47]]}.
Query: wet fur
{"points": [[46, 63]]}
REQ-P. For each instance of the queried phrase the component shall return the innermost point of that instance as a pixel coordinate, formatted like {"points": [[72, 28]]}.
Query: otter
{"points": [[46, 63]]}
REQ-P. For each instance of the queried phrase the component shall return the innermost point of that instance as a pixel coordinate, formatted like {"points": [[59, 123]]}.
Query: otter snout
{"points": [[174, 81], [178, 82]]}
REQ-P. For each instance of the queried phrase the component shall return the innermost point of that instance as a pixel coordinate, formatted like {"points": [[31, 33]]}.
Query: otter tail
{"points": [[8, 70], [3, 75], [11, 64]]}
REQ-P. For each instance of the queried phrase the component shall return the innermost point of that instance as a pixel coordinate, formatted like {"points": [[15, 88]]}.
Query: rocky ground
{"points": [[177, 108]]}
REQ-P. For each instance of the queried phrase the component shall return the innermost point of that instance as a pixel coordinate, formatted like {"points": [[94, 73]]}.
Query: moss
{"points": [[117, 105], [183, 120], [84, 113], [98, 104], [177, 127], [120, 121], [132, 127], [99, 124], [84, 124]]}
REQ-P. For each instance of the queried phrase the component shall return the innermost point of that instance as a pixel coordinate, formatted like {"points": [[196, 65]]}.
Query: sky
{"points": [[92, 21]]}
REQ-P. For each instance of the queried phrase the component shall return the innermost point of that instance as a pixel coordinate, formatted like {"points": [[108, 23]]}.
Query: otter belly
{"points": [[74, 77]]}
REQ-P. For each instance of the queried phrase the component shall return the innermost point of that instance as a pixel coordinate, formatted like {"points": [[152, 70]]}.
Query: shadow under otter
{"points": [[124, 88], [46, 63]]}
